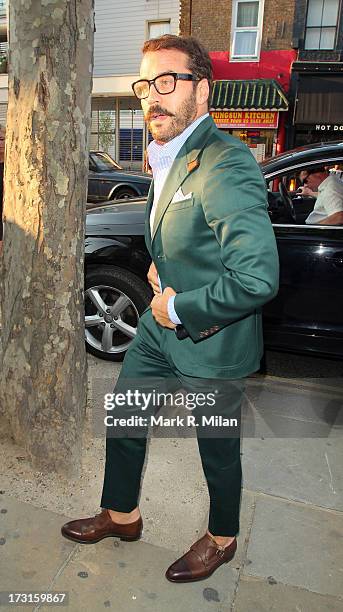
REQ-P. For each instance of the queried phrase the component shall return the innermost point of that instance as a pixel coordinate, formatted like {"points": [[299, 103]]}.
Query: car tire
{"points": [[108, 337], [124, 193]]}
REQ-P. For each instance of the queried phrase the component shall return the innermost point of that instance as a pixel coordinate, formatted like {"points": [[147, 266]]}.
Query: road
{"points": [[289, 365]]}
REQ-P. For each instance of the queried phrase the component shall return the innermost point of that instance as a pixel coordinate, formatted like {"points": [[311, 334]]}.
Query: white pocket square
{"points": [[180, 197]]}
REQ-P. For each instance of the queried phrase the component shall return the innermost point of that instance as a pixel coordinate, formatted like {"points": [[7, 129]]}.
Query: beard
{"points": [[178, 122]]}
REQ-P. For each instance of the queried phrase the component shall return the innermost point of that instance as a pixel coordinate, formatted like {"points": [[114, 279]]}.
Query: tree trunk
{"points": [[43, 379]]}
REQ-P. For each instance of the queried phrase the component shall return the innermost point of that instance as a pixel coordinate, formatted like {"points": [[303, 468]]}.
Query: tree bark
{"points": [[43, 376]]}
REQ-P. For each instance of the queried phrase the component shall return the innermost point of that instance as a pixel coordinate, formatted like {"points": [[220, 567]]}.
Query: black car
{"points": [[305, 316], [108, 181]]}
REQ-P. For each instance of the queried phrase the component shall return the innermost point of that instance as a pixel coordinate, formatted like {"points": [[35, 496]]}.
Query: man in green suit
{"points": [[214, 265]]}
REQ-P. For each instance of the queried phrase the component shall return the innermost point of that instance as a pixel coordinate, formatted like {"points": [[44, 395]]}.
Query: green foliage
{"points": [[106, 131]]}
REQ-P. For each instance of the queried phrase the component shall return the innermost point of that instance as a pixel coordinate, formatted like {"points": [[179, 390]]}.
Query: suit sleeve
{"points": [[234, 200]]}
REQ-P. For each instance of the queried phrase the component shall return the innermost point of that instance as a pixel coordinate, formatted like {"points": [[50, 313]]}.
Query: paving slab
{"points": [[298, 409], [128, 577], [300, 469], [268, 596], [121, 576], [32, 549], [297, 545]]}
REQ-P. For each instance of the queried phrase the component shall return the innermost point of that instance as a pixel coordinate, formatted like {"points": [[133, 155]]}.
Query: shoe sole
{"points": [[201, 577], [110, 535]]}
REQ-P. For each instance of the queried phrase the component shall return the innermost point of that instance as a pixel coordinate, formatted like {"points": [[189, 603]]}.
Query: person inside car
{"points": [[328, 191]]}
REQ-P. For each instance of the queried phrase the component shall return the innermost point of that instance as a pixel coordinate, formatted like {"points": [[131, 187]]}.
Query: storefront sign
{"points": [[245, 119], [328, 128]]}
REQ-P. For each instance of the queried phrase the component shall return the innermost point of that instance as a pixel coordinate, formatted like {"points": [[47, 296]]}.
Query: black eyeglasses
{"points": [[164, 83]]}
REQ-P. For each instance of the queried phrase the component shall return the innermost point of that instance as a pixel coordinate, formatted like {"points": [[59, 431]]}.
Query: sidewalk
{"points": [[289, 555]]}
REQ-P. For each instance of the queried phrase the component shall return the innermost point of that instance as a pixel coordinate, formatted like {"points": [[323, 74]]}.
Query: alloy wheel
{"points": [[111, 319]]}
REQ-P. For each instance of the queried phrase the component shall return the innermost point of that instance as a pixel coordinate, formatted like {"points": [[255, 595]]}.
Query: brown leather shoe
{"points": [[93, 529], [201, 560]]}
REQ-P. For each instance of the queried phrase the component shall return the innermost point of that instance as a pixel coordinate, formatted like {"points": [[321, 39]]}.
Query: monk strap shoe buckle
{"points": [[220, 552]]}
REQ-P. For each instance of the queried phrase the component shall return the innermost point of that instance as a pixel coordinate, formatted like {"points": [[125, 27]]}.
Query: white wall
{"points": [[121, 28]]}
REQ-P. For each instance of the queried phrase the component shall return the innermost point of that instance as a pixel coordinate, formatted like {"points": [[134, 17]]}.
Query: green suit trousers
{"points": [[146, 360]]}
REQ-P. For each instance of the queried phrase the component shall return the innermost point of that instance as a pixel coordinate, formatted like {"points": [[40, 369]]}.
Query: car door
{"points": [[307, 313]]}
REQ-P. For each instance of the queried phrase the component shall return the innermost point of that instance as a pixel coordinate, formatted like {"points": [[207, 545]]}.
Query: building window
{"points": [[246, 29], [321, 24], [131, 136], [158, 28], [103, 131]]}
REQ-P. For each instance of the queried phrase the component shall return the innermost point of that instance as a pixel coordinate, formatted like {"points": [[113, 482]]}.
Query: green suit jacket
{"points": [[216, 248]]}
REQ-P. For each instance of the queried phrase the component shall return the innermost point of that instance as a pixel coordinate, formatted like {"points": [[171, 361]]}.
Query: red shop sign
{"points": [[245, 119]]}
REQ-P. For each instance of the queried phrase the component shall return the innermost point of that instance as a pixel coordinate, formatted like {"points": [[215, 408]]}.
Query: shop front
{"points": [[251, 111], [318, 113]]}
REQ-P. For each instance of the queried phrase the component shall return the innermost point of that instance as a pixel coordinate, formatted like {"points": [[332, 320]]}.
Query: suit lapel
{"points": [[176, 176], [186, 161]]}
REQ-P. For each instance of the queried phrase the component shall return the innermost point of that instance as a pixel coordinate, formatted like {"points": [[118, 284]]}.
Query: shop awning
{"points": [[260, 94], [320, 99]]}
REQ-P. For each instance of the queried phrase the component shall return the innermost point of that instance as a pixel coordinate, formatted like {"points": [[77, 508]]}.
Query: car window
{"points": [[92, 165], [104, 162], [309, 195]]}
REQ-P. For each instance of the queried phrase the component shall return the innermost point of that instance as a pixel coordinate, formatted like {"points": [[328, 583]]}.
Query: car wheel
{"points": [[114, 301], [124, 193]]}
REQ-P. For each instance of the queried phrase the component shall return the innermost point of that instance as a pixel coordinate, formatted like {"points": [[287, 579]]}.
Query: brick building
{"points": [[317, 74], [211, 21], [250, 44]]}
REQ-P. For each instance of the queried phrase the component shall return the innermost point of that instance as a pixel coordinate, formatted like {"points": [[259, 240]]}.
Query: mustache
{"points": [[157, 110]]}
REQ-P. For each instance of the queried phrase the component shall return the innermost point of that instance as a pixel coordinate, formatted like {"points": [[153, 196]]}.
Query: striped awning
{"points": [[260, 94]]}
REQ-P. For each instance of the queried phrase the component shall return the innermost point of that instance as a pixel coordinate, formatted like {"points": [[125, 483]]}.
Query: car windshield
{"points": [[103, 161]]}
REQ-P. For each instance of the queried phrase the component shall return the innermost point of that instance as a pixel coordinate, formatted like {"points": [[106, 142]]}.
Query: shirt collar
{"points": [[162, 156]]}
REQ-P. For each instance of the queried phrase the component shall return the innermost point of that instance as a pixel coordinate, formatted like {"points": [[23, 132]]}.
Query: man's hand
{"points": [[153, 278], [306, 191], [159, 308]]}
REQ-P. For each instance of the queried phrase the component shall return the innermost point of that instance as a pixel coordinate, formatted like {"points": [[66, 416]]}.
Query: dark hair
{"points": [[199, 62], [316, 169]]}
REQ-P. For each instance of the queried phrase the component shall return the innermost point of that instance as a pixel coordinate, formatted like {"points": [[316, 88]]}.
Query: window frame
{"points": [[321, 27], [155, 21], [258, 29]]}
